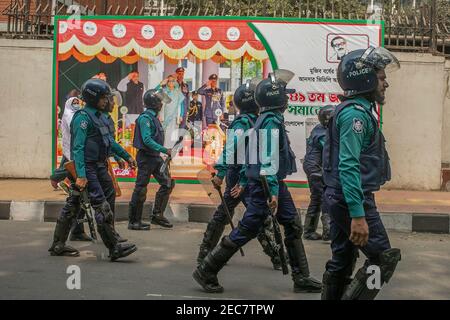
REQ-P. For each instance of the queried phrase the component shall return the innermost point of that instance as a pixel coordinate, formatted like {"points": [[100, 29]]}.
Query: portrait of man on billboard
{"points": [[339, 45]]}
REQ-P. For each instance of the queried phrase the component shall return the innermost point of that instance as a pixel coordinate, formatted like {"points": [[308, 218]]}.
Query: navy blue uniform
{"points": [[276, 145], [257, 209], [243, 123], [149, 139], [269, 159], [78, 227], [231, 173], [312, 165], [91, 145], [354, 121]]}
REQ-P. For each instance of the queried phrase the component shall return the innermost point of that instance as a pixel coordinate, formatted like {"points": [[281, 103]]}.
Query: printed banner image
{"points": [[199, 63]]}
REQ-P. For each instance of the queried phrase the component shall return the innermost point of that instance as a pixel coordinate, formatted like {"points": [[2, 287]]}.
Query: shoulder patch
{"points": [[147, 123], [83, 124], [358, 125]]}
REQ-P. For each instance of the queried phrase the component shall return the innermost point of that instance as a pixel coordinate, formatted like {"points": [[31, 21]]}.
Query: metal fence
{"points": [[410, 25]]}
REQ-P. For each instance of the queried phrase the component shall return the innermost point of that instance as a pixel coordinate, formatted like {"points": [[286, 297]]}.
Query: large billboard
{"points": [[199, 62]]}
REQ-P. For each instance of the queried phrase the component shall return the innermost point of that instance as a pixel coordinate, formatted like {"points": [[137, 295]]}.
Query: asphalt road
{"points": [[163, 264]]}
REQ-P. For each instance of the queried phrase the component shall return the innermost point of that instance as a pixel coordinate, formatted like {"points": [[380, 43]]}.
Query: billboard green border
{"points": [[233, 18], [54, 74], [193, 181]]}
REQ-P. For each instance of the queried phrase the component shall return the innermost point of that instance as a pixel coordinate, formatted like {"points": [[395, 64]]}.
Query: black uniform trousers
{"points": [[344, 252]]}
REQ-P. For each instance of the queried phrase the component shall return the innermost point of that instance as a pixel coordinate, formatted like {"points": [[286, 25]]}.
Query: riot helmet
{"points": [[93, 90], [154, 99], [244, 98], [271, 93], [357, 71]]}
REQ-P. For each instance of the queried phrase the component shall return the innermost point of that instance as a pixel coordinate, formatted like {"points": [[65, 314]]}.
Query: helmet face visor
{"points": [[115, 98], [163, 96], [253, 83], [283, 75], [280, 74], [380, 58]]}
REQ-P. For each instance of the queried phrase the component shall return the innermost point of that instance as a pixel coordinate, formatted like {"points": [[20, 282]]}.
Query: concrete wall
{"points": [[413, 121], [446, 116], [25, 106], [416, 116]]}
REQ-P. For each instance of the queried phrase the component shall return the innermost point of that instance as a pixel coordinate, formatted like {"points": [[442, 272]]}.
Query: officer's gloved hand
{"points": [[132, 163]]}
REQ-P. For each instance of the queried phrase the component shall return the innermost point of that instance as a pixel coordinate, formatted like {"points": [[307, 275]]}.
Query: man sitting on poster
{"points": [[213, 100], [134, 90]]}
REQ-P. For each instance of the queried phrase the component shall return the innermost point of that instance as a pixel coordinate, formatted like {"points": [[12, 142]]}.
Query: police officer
{"points": [[121, 162], [213, 100], [77, 233], [72, 105], [244, 100], [90, 147], [312, 165], [149, 140], [355, 164], [270, 95]]}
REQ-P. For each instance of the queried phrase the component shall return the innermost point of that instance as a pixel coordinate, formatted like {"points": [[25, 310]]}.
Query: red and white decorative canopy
{"points": [[147, 39]]}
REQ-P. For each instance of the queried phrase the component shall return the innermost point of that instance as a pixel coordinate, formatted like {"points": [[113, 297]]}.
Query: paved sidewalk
{"points": [[408, 210]]}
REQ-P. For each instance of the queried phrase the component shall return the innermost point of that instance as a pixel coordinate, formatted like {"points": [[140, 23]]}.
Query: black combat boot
{"points": [[161, 221], [80, 237], [59, 247], [116, 250], [116, 234], [118, 237], [161, 201], [122, 250], [310, 227], [135, 218], [206, 272], [325, 227], [333, 286], [211, 237], [77, 233], [303, 282]]}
